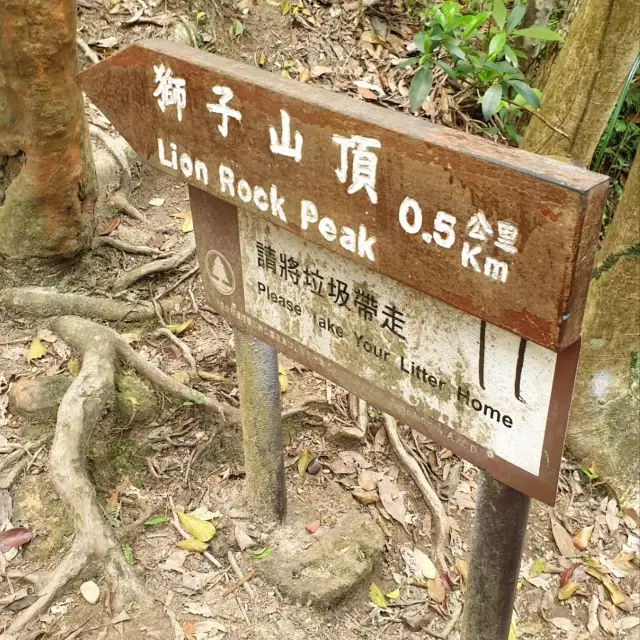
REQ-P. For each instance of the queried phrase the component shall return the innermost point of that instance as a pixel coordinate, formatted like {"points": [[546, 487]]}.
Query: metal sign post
{"points": [[496, 551], [439, 277]]}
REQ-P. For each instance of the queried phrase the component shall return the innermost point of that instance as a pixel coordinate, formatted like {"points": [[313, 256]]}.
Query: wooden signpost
{"points": [[438, 276]]}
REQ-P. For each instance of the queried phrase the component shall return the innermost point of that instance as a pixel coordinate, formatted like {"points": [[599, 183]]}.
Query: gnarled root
{"points": [[41, 301], [440, 522], [83, 406]]}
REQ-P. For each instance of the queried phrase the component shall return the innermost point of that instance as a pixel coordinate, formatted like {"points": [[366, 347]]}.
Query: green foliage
{"points": [[619, 142], [479, 48]]}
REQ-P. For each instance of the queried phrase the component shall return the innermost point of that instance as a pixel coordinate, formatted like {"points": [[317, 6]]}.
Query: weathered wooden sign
{"points": [[438, 276], [501, 234]]}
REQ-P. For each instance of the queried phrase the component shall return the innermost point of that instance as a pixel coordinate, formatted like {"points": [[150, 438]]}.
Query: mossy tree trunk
{"points": [[586, 79], [47, 178], [605, 414], [583, 87]]}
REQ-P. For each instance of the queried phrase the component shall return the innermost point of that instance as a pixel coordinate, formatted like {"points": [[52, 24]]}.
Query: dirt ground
{"points": [[144, 460]]}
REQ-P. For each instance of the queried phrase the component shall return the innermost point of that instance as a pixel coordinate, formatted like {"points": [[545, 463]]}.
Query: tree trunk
{"points": [[587, 78], [47, 177], [605, 414]]}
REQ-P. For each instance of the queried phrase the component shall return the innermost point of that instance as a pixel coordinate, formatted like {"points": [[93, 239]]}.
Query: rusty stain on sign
{"points": [[498, 233]]}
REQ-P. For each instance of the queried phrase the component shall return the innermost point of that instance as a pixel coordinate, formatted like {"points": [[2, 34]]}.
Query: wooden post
{"points": [[496, 551], [257, 365]]}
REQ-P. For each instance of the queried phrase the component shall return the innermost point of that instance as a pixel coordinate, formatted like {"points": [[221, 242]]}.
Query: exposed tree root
{"points": [[119, 202], [81, 408], [107, 241], [440, 522], [158, 266], [184, 349], [46, 302]]}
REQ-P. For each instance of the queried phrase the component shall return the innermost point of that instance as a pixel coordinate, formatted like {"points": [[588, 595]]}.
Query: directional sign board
{"points": [[438, 276]]}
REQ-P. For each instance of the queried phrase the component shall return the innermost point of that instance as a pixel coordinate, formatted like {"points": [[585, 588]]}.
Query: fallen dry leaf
{"points": [[568, 590], [14, 538], [581, 539], [392, 499], [312, 527], [563, 539], [36, 350], [303, 461], [368, 480], [111, 226], [365, 497], [191, 544], [436, 591], [426, 566], [593, 624], [612, 516], [201, 530], [376, 596]]}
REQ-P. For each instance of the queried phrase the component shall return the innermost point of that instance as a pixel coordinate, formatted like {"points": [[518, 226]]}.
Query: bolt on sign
{"points": [[437, 275]]}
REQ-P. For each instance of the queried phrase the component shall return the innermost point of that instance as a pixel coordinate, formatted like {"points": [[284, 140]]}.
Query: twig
{"points": [[87, 50], [239, 573], [174, 286], [533, 112], [238, 583], [440, 522], [448, 628], [186, 352], [107, 241], [15, 341], [158, 266], [186, 536]]}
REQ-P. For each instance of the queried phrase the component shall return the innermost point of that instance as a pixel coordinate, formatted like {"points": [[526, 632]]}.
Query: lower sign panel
{"points": [[490, 396]]}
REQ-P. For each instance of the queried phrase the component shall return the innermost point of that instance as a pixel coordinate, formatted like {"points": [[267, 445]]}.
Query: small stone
{"points": [[314, 467], [90, 592], [37, 399]]}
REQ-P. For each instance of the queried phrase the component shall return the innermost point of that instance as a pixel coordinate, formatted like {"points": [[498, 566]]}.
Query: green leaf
{"points": [[530, 96], [377, 597], [421, 41], [420, 87], [510, 55], [476, 22], [499, 12], [515, 17], [405, 62], [303, 461], [237, 28], [497, 44], [127, 552], [539, 33], [450, 10], [393, 595], [195, 399], [537, 568], [491, 101], [156, 520], [453, 48], [263, 554]]}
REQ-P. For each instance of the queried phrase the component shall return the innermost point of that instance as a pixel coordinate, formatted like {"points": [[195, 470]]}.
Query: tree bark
{"points": [[47, 178], [605, 414], [586, 79]]}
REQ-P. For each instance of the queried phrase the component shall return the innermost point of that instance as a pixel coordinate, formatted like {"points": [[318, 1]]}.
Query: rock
{"points": [[37, 399], [342, 556], [90, 592]]}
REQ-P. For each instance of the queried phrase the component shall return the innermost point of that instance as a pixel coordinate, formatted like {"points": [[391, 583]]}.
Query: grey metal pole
{"points": [[496, 551], [257, 366]]}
